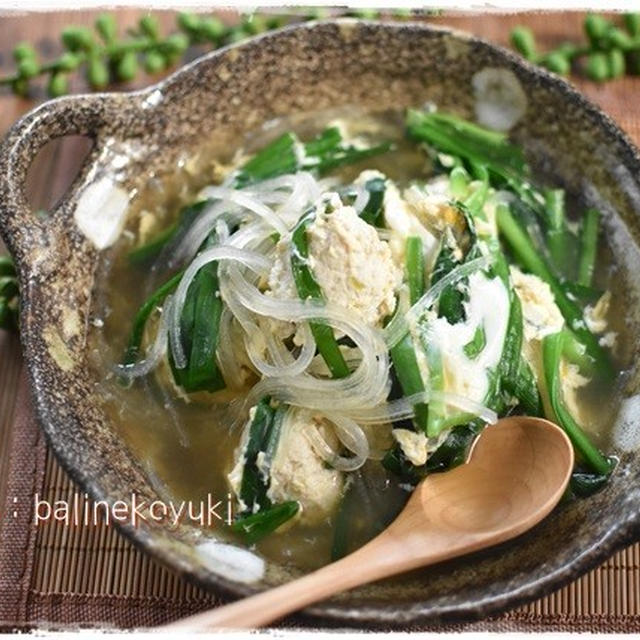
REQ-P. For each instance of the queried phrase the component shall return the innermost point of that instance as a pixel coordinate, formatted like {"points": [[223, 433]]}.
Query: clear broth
{"points": [[187, 448]]}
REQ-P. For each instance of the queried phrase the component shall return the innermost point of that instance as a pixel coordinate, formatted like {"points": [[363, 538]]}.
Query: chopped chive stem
{"points": [[403, 354], [405, 364], [558, 236], [553, 347], [526, 254], [374, 210], [588, 247], [474, 347], [257, 526], [253, 490], [414, 261], [524, 387], [144, 312], [151, 249], [200, 323], [308, 287], [287, 154], [436, 419], [459, 182], [458, 137], [576, 353]]}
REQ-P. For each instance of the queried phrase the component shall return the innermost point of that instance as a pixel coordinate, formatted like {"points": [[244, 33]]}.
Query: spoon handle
{"points": [[382, 557], [518, 473]]}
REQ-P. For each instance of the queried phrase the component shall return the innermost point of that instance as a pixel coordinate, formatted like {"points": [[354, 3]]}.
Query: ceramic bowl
{"points": [[371, 66]]}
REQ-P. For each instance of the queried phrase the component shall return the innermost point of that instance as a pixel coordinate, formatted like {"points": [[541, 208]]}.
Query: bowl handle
{"points": [[87, 115]]}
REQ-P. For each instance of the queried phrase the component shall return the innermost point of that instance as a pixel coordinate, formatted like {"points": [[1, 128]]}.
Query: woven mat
{"points": [[65, 577]]}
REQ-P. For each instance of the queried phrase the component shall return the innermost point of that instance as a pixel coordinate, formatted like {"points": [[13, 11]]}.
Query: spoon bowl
{"points": [[516, 472]]}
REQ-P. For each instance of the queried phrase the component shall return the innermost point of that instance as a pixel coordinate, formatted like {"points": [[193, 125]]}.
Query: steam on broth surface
{"points": [[341, 315]]}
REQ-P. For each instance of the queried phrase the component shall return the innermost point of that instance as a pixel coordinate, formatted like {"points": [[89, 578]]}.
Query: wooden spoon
{"points": [[516, 473]]}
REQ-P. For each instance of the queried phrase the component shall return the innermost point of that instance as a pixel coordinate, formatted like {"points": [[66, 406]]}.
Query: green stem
{"points": [[437, 418], [552, 352], [308, 287], [576, 353], [200, 324], [459, 182], [259, 525], [588, 247], [405, 364], [403, 354], [200, 321], [153, 247], [287, 154], [527, 255], [476, 201], [253, 490], [558, 239], [373, 213], [523, 386], [456, 136], [140, 320], [414, 264]]}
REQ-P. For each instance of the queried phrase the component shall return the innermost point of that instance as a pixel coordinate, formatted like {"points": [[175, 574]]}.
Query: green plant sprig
{"points": [[609, 51], [106, 58]]}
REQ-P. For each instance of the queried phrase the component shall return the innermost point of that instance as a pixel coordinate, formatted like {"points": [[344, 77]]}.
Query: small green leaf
{"points": [[253, 24], [596, 27], [58, 85], [523, 40], [77, 39], [212, 29], [620, 39], [616, 63], [28, 68], [236, 34], [68, 62], [23, 51], [365, 14], [154, 62], [189, 21], [97, 73], [106, 26], [274, 22], [176, 44], [597, 68], [568, 49], [474, 347], [558, 63], [632, 22], [127, 67], [149, 26]]}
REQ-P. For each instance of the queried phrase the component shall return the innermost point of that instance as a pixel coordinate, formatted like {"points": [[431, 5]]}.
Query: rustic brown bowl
{"points": [[302, 69]]}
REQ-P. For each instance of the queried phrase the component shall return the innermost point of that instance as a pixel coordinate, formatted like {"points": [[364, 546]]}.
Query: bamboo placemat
{"points": [[61, 576]]}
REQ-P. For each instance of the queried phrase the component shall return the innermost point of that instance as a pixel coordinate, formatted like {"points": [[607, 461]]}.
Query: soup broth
{"points": [[187, 445]]}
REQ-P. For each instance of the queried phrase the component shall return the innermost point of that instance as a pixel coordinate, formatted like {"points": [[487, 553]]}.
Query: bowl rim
{"points": [[379, 614]]}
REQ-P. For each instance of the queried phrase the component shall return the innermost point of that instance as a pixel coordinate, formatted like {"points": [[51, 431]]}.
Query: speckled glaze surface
{"points": [[308, 68]]}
